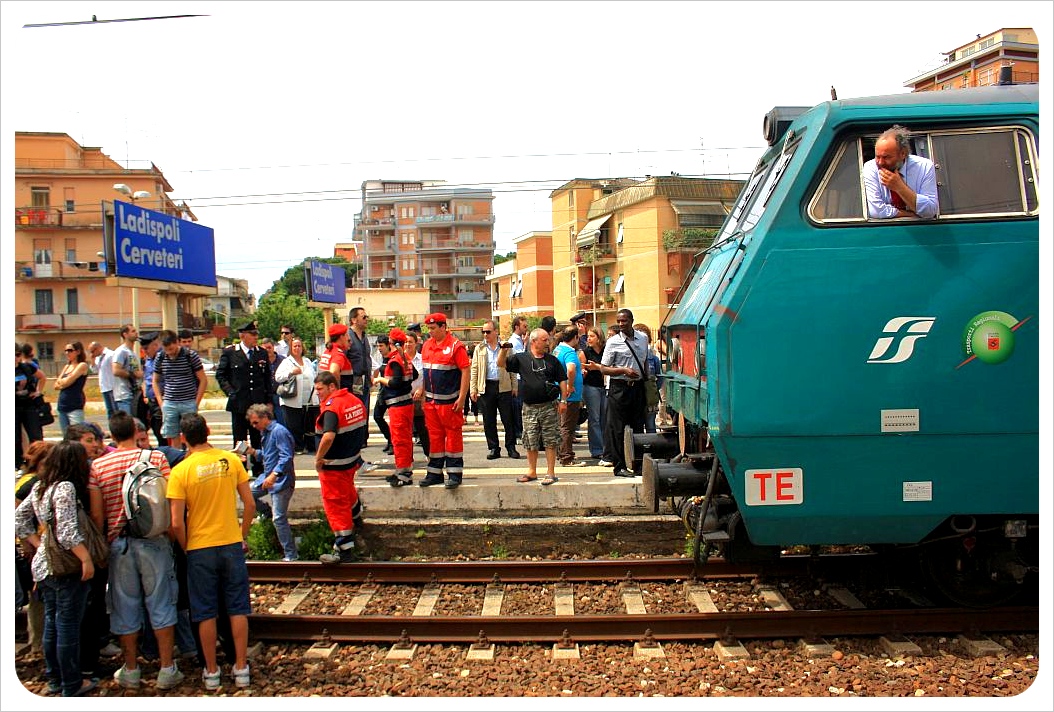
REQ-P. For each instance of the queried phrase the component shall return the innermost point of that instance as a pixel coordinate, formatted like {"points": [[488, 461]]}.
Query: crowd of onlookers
{"points": [[177, 592]]}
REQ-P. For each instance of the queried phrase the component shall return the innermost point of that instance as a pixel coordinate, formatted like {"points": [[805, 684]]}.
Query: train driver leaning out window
{"points": [[898, 183]]}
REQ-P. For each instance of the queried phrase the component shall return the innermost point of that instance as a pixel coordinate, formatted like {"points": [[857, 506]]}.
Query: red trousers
{"points": [[339, 498], [445, 439], [401, 422]]}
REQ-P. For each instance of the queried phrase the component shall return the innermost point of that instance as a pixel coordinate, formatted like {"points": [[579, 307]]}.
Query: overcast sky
{"points": [[267, 117]]}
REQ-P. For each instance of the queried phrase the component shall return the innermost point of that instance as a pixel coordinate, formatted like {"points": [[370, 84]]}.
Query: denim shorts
{"points": [[170, 412], [141, 571], [217, 571]]}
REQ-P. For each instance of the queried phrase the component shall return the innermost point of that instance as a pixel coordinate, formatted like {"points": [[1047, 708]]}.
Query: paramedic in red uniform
{"points": [[335, 358], [445, 366], [341, 428], [396, 393]]}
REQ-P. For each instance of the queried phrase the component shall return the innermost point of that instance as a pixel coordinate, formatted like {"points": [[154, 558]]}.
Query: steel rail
{"points": [[390, 572], [700, 626]]}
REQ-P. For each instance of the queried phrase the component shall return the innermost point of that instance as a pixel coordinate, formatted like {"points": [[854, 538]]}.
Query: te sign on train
{"points": [[780, 485]]}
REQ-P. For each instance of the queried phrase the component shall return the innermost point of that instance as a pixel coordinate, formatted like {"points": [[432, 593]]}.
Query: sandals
{"points": [[550, 479], [526, 478]]}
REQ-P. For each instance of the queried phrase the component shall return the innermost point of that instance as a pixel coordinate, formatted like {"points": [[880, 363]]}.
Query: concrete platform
{"points": [[488, 487]]}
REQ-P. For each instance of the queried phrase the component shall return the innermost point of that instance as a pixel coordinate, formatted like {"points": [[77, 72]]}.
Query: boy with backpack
{"points": [[127, 490]]}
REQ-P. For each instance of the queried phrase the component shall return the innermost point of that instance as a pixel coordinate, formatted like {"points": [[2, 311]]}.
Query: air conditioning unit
{"points": [[93, 266]]}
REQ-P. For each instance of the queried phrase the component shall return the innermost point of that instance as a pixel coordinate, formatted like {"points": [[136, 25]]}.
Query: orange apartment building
{"points": [[621, 243], [60, 290], [424, 234], [978, 62], [523, 286]]}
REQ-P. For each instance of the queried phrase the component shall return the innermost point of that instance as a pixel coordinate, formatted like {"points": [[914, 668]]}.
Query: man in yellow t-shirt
{"points": [[205, 486]]}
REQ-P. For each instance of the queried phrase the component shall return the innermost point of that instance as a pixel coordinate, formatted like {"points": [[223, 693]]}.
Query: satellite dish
{"points": [[95, 21]]}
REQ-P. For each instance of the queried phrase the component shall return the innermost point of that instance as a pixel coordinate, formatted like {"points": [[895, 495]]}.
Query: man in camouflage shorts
{"points": [[543, 382]]}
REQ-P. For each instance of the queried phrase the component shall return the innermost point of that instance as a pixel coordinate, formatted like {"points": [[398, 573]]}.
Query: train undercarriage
{"points": [[969, 559]]}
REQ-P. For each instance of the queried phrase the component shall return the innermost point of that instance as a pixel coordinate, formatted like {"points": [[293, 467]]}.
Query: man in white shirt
{"points": [[102, 364], [898, 184]]}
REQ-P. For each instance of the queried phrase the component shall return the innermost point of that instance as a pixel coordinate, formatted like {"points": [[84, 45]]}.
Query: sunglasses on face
{"points": [[69, 351], [286, 333], [486, 331]]}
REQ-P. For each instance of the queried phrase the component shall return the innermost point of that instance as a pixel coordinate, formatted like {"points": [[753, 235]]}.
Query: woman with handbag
{"points": [[296, 387], [70, 385], [54, 502]]}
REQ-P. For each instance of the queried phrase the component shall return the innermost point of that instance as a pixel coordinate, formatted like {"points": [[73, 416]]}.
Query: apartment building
{"points": [[523, 286], [60, 291], [978, 62], [426, 234], [620, 243]]}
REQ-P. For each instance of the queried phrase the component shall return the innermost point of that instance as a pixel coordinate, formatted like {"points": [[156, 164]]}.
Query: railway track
{"points": [[553, 618]]}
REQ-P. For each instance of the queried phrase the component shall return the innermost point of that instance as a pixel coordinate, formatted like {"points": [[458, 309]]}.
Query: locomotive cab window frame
{"points": [[982, 172]]}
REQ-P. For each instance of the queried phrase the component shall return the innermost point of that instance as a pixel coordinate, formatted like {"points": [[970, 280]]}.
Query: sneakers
{"points": [[341, 556], [453, 483], [573, 463], [110, 650], [368, 466], [212, 680], [241, 677], [169, 678], [626, 473], [128, 679], [606, 463], [431, 479], [399, 479]]}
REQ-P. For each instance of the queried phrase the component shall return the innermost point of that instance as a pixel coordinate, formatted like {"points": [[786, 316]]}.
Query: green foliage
{"points": [[419, 534], [380, 326], [688, 238], [277, 308], [263, 541], [498, 259], [292, 280], [316, 539], [500, 552]]}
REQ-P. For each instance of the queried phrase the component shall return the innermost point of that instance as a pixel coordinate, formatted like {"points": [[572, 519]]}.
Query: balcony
{"points": [[59, 270], [473, 297], [456, 245], [106, 321], [597, 254], [38, 217], [470, 269], [462, 219]]}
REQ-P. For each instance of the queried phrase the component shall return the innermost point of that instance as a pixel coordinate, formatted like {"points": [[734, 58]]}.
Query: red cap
{"points": [[437, 318], [338, 330], [397, 336]]}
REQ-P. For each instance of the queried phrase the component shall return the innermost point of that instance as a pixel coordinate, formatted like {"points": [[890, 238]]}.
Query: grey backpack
{"points": [[143, 492]]}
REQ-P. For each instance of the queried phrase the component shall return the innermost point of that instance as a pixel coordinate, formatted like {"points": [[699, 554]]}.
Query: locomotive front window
{"points": [[981, 172]]}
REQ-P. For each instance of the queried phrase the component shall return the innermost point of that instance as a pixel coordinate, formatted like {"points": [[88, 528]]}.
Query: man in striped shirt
{"points": [[142, 572], [179, 383]]}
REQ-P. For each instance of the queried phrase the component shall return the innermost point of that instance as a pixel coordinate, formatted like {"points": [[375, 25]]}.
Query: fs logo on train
{"points": [[773, 486]]}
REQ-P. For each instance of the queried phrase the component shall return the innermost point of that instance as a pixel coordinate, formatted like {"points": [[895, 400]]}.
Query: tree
{"points": [[292, 281], [380, 326], [278, 308], [498, 259]]}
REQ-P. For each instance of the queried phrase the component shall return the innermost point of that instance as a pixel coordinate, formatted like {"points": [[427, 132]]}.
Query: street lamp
{"points": [[125, 190]]}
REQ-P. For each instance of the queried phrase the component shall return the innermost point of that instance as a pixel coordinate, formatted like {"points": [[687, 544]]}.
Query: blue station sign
{"points": [[152, 245], [325, 282]]}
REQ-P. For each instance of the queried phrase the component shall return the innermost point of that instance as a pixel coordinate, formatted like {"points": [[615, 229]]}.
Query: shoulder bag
{"points": [[64, 562], [651, 388], [287, 389], [44, 412]]}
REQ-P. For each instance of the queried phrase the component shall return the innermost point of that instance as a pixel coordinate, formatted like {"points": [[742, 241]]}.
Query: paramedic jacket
{"points": [[441, 364]]}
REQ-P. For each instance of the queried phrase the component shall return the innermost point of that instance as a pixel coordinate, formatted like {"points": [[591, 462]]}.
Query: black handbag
{"points": [[287, 389], [44, 413]]}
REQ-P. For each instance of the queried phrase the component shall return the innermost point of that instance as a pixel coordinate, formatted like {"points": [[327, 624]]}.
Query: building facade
{"points": [[523, 285], [620, 243], [61, 292], [978, 62], [425, 234]]}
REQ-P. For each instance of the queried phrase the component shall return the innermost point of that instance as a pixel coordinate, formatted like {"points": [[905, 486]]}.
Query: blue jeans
{"points": [[128, 406], [65, 598], [596, 408], [279, 511], [107, 399], [68, 419]]}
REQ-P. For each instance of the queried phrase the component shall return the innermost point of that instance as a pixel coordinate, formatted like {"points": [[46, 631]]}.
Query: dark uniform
{"points": [[246, 379]]}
